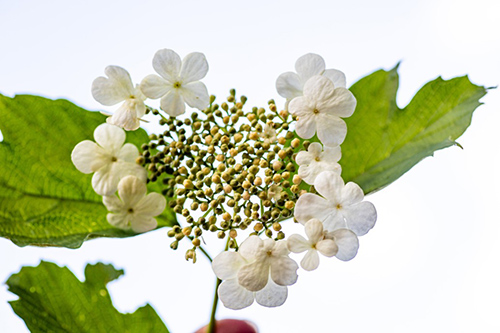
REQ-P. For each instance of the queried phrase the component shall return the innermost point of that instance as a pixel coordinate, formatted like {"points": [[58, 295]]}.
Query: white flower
{"points": [[110, 159], [178, 82], [320, 109], [342, 243], [268, 134], [274, 192], [118, 88], [290, 85], [341, 207], [314, 161], [266, 258], [134, 209], [234, 296]]}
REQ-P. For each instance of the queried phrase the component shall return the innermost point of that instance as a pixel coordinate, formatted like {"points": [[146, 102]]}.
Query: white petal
{"points": [[172, 103], [335, 220], [311, 206], [131, 190], [195, 94], [331, 154], [319, 89], [341, 103], [226, 265], [279, 248], [120, 220], [315, 168], [284, 271], [310, 261], [88, 157], [315, 149], [110, 137], [300, 106], [152, 204], [167, 63], [351, 194], [314, 230], [298, 244], [329, 184], [289, 85], [143, 223], [327, 247], [194, 67], [331, 130], [112, 90], [306, 126], [308, 65], [155, 87], [250, 247], [304, 158], [307, 173], [104, 181], [272, 295], [113, 204], [140, 107], [123, 169], [336, 76], [125, 116], [128, 153], [347, 243], [361, 217], [254, 276], [234, 296], [139, 96]]}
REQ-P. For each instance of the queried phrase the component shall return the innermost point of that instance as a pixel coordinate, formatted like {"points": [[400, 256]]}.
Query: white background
{"points": [[431, 264]]}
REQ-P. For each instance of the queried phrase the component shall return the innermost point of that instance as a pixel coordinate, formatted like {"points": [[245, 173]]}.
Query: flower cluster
{"points": [[233, 170]]}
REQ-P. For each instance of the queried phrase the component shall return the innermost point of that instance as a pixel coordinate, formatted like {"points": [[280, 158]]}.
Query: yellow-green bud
{"points": [[186, 231]]}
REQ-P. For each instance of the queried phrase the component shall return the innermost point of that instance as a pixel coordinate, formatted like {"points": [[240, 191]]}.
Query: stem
{"points": [[205, 253], [211, 324]]}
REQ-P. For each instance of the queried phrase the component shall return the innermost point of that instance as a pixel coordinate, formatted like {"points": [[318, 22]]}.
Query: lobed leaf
{"points": [[52, 299], [383, 141], [44, 199]]}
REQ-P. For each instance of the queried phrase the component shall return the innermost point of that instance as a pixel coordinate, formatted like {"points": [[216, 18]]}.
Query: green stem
{"points": [[205, 253], [211, 324]]}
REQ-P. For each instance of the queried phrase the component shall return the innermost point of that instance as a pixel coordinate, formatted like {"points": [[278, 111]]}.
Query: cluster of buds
{"points": [[229, 168]]}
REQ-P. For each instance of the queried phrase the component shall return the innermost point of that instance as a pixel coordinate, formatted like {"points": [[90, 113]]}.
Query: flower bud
{"points": [[246, 196], [233, 233], [188, 184], [258, 227], [186, 231], [295, 143], [216, 179]]}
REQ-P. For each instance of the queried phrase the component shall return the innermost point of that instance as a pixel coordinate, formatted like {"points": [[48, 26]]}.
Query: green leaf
{"points": [[52, 299], [44, 199], [383, 141]]}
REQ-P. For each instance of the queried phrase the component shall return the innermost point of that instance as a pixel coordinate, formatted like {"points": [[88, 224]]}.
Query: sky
{"points": [[430, 264]]}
